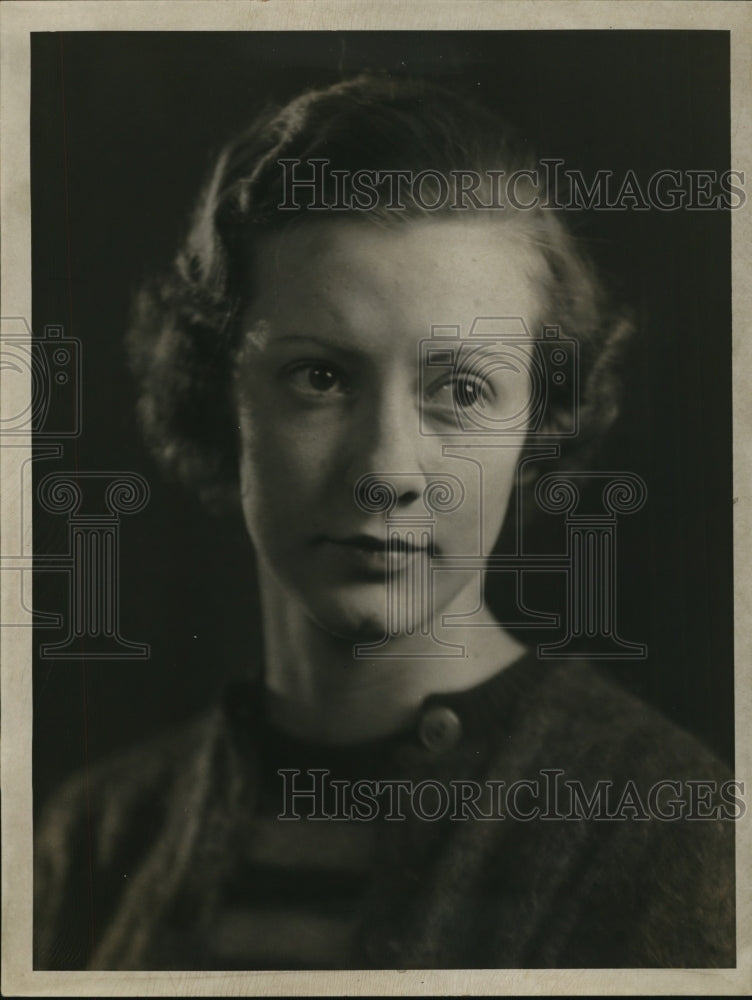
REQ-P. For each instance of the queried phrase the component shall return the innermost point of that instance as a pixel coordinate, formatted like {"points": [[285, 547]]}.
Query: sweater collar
{"points": [[446, 724]]}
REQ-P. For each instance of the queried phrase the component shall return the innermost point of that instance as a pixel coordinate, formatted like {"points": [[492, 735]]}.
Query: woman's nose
{"points": [[388, 448]]}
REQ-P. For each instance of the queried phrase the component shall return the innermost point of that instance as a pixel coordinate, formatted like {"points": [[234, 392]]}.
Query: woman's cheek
{"points": [[286, 464], [498, 488]]}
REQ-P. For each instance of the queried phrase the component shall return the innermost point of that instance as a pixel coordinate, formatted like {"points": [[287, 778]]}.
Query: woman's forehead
{"points": [[419, 272]]}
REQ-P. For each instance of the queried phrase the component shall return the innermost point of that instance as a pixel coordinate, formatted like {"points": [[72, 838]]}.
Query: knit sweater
{"points": [[133, 860]]}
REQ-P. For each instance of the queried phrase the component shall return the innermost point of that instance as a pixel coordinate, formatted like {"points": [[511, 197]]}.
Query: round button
{"points": [[440, 729]]}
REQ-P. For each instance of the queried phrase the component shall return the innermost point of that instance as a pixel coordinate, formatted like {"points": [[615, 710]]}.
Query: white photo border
{"points": [[17, 20]]}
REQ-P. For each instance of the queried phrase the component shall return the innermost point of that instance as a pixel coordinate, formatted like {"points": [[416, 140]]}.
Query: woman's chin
{"points": [[352, 627], [348, 618]]}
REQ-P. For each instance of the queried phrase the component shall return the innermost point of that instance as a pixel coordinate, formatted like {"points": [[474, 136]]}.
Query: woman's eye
{"points": [[460, 391], [316, 380], [468, 391]]}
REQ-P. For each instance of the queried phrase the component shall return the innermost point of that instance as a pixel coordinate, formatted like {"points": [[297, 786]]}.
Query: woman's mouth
{"points": [[377, 556]]}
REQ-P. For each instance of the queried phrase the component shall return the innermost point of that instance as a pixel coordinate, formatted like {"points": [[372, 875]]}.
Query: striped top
{"points": [[293, 901]]}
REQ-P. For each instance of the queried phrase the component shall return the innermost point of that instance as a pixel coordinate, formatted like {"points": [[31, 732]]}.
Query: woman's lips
{"points": [[370, 543], [375, 556]]}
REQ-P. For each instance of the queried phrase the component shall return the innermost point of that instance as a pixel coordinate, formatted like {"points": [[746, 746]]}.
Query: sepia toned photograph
{"points": [[378, 570]]}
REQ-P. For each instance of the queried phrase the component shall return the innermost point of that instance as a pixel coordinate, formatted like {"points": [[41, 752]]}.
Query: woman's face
{"points": [[333, 382]]}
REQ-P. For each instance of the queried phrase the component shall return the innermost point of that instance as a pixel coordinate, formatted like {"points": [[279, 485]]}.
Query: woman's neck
{"points": [[319, 690]]}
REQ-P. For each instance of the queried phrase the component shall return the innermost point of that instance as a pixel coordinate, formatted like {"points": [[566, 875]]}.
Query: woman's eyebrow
{"points": [[471, 353], [329, 343]]}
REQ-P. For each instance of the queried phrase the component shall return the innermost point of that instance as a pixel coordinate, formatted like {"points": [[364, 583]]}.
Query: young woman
{"points": [[349, 349]]}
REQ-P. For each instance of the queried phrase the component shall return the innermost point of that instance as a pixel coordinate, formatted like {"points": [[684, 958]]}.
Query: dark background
{"points": [[123, 129]]}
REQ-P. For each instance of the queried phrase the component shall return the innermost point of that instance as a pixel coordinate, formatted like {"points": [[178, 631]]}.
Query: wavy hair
{"points": [[184, 327]]}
